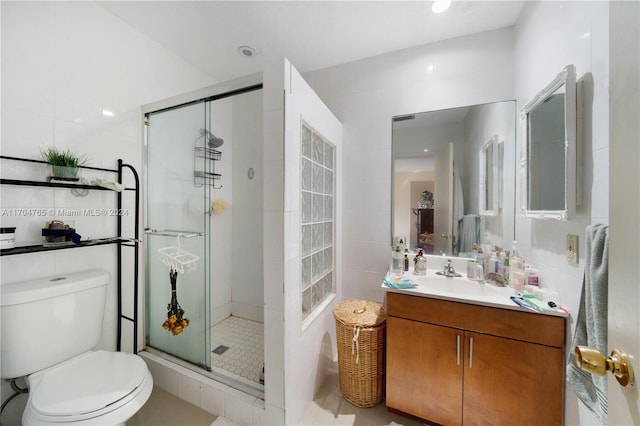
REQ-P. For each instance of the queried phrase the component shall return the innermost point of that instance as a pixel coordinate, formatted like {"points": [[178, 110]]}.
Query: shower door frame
{"points": [[232, 88]]}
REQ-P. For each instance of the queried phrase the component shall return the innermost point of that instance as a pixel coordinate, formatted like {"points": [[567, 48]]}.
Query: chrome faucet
{"points": [[449, 271]]}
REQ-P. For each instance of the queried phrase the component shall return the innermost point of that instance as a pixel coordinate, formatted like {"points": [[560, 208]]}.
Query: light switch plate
{"points": [[572, 249]]}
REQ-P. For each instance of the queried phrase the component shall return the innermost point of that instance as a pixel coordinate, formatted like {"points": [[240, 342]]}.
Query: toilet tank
{"points": [[49, 320]]}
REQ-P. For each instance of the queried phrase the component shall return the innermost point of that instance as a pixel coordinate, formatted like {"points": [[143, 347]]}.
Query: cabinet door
{"points": [[424, 370], [508, 382]]}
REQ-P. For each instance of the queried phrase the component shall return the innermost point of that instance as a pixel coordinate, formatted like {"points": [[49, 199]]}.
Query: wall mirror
{"points": [[549, 172], [453, 176]]}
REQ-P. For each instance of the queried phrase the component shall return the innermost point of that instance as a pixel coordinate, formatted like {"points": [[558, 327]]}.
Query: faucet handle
{"points": [[449, 268]]}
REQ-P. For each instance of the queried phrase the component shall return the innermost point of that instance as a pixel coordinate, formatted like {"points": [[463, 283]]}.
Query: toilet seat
{"points": [[89, 386]]}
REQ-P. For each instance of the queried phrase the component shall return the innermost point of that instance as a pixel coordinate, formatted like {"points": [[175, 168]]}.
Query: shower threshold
{"points": [[225, 377]]}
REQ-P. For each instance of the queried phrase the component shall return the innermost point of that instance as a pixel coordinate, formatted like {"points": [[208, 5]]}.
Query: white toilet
{"points": [[49, 328]]}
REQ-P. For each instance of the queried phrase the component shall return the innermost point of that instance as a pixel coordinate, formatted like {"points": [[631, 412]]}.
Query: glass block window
{"points": [[317, 216]]}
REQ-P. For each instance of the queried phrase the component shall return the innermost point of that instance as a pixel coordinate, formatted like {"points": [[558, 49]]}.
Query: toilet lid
{"points": [[88, 383]]}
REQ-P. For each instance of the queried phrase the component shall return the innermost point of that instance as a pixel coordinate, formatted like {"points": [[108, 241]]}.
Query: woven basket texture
{"points": [[361, 366]]}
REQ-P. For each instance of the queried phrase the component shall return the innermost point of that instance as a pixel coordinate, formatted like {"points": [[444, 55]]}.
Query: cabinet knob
{"points": [[593, 361]]}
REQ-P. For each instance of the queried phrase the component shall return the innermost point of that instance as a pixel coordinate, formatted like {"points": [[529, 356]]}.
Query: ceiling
{"points": [[312, 34]]}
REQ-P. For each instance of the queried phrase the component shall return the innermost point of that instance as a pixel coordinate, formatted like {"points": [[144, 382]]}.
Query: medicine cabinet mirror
{"points": [[453, 174], [548, 167]]}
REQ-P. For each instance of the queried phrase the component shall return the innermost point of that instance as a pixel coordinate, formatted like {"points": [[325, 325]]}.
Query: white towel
{"points": [[591, 325], [469, 230]]}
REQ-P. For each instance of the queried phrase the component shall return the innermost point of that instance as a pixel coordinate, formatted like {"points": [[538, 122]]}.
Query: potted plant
{"points": [[64, 163]]}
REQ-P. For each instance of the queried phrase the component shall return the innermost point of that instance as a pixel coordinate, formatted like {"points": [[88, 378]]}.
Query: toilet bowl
{"points": [[95, 388], [51, 328]]}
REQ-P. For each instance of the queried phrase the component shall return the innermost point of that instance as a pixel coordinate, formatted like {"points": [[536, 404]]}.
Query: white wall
{"points": [[550, 35], [63, 63], [364, 95]]}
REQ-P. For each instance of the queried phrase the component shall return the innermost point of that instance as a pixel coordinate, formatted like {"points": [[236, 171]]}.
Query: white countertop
{"points": [[464, 290]]}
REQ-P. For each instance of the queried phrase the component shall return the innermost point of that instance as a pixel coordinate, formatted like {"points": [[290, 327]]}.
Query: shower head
{"points": [[212, 140]]}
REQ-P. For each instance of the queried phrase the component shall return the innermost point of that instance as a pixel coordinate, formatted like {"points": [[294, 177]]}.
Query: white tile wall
{"points": [[62, 64], [550, 35]]}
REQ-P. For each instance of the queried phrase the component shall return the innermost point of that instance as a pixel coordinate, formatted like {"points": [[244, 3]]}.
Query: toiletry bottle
{"points": [[397, 264], [516, 271], [500, 267], [406, 263], [479, 271], [493, 263], [506, 270], [471, 269], [531, 277], [420, 264], [480, 255]]}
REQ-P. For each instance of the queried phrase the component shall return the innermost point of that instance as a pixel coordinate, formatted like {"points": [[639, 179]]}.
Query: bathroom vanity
{"points": [[456, 357]]}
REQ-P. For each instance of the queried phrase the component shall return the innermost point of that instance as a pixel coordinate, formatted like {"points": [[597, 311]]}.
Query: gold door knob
{"points": [[594, 362]]}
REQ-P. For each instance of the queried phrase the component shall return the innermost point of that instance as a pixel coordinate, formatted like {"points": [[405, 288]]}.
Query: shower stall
{"points": [[204, 236]]}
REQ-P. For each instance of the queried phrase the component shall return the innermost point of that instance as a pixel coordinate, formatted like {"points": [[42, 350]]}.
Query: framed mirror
{"points": [[548, 166], [438, 199]]}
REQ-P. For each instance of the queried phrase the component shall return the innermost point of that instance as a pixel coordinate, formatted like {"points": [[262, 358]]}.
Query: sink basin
{"points": [[456, 285], [458, 288]]}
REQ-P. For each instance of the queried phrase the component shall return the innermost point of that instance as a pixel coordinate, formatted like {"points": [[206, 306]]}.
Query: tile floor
{"points": [[165, 409], [327, 409], [245, 342]]}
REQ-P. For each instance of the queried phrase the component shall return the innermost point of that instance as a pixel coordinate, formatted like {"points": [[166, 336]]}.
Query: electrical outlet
{"points": [[572, 249]]}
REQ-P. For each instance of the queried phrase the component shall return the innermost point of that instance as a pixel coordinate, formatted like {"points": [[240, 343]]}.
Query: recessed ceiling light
{"points": [[247, 51], [426, 150], [440, 6]]}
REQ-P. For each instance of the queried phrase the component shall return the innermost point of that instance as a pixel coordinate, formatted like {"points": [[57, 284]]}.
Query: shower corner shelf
{"points": [[208, 153], [118, 239], [207, 176]]}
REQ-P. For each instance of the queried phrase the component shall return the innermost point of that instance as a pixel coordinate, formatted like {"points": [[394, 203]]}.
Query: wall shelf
{"points": [[55, 184], [35, 248], [118, 239]]}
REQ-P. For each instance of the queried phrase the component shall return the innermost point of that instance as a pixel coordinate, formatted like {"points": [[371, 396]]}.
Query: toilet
{"points": [[50, 328]]}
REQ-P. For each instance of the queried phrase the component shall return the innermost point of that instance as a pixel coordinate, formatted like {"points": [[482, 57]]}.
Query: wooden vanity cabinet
{"points": [[454, 363]]}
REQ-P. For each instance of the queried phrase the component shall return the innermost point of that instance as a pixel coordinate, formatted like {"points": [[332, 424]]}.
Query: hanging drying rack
{"points": [[177, 258]]}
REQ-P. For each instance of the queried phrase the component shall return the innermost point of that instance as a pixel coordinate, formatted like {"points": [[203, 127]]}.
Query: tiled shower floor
{"points": [[245, 342]]}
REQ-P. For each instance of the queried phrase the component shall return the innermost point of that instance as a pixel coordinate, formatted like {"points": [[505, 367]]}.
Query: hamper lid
{"points": [[362, 313]]}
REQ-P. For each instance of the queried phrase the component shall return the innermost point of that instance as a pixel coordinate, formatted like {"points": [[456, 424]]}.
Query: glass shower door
{"points": [[177, 212]]}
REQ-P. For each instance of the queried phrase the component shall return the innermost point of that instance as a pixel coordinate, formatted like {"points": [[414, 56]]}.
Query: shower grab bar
{"points": [[172, 233]]}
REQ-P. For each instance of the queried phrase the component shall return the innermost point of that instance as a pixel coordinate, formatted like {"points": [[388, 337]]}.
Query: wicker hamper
{"points": [[360, 334]]}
